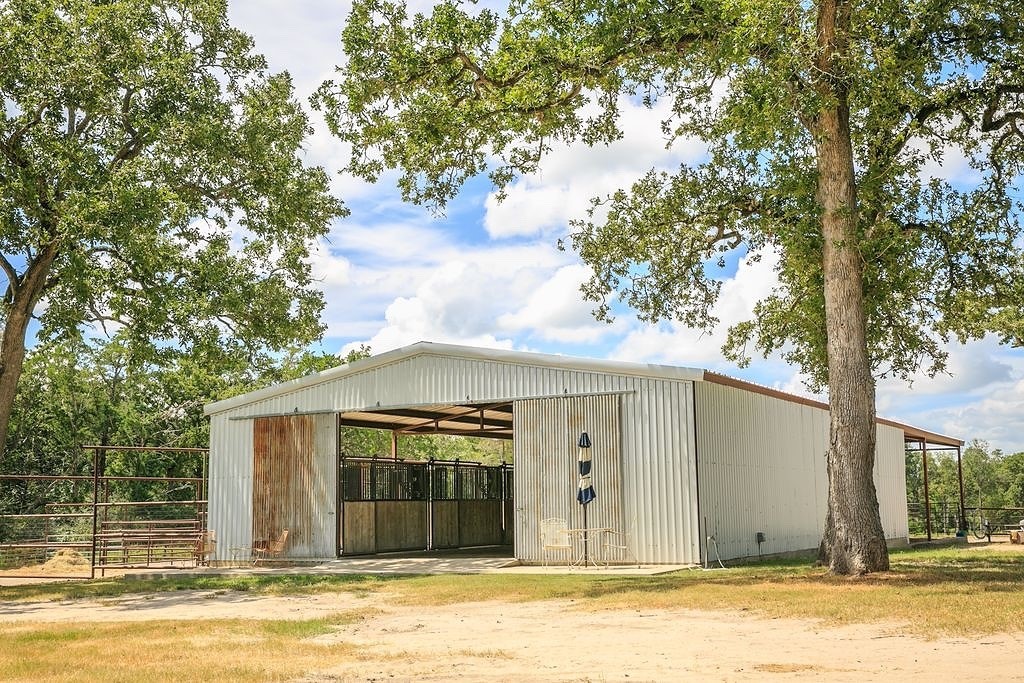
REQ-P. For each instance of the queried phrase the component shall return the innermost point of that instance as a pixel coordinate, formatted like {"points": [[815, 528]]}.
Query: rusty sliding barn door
{"points": [[284, 475]]}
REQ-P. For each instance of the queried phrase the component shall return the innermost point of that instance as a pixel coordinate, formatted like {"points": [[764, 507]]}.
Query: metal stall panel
{"points": [[547, 431], [385, 505], [761, 464], [294, 484]]}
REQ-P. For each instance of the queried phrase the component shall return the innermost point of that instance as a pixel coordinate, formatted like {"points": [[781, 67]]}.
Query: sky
{"points": [[489, 273]]}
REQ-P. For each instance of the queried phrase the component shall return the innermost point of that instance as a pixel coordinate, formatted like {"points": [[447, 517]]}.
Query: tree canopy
{"points": [[152, 181], [822, 121], [458, 93]]}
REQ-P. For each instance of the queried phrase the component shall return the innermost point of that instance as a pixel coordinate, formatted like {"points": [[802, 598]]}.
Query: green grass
{"points": [[291, 584], [948, 591]]}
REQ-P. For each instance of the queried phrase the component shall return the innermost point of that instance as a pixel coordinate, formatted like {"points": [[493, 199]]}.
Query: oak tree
{"points": [[820, 120], [151, 181]]}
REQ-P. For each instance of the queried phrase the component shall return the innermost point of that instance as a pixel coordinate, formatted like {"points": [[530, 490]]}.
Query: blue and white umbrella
{"points": [[585, 493]]}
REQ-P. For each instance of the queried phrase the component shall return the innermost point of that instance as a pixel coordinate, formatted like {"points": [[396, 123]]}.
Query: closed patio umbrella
{"points": [[585, 493]]}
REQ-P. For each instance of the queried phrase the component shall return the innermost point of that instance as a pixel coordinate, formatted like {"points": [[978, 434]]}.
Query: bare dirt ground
{"points": [[563, 641]]}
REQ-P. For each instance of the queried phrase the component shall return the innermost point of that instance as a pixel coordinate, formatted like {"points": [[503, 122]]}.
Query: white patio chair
{"points": [[554, 537], [616, 543]]}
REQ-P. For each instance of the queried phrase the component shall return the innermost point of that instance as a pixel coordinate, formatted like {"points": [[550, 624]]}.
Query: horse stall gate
{"points": [[393, 505]]}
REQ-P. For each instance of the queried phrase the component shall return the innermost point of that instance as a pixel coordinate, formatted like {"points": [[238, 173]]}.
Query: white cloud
{"points": [[573, 174], [675, 343], [556, 310], [447, 307], [998, 418], [980, 397], [429, 286], [970, 370]]}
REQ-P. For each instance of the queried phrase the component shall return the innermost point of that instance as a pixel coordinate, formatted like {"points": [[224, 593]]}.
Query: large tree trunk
{"points": [[24, 295], [853, 542]]}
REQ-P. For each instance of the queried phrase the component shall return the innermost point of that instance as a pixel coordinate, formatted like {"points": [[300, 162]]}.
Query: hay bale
{"points": [[64, 560]]}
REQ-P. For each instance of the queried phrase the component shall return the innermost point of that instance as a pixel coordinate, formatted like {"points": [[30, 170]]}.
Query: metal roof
{"points": [[456, 351], [493, 416]]}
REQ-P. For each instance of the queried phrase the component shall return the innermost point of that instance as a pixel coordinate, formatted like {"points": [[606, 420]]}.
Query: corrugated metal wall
{"points": [[891, 482], [657, 437], [659, 472], [431, 379], [295, 482], [230, 484], [761, 467], [546, 456]]}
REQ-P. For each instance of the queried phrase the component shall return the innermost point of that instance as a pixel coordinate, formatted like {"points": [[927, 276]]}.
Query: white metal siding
{"points": [[659, 471], [430, 379], [761, 467], [324, 493], [230, 485], [891, 482], [658, 467], [547, 470]]}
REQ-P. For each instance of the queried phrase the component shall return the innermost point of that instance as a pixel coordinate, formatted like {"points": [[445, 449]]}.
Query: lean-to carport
{"points": [[925, 442]]}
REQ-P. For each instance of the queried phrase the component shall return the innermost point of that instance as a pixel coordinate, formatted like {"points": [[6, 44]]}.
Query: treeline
{"points": [[105, 392]]}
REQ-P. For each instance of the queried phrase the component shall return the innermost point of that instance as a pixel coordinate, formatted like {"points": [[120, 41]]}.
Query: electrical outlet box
{"points": [[760, 537]]}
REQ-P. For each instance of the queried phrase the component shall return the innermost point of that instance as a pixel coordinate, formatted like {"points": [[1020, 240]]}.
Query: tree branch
{"points": [[12, 275], [989, 121]]}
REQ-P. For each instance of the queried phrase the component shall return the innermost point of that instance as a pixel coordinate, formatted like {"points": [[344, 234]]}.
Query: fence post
{"points": [[927, 502], [430, 503], [960, 479], [95, 509]]}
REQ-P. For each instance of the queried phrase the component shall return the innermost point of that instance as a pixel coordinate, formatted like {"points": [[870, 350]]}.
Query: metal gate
{"points": [[68, 526]]}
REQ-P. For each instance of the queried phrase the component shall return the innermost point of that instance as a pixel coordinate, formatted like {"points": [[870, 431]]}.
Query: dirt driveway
{"points": [[564, 641]]}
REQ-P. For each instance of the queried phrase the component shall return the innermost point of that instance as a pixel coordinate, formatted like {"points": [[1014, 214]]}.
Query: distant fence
{"points": [[980, 521], [74, 526], [390, 505], [945, 518]]}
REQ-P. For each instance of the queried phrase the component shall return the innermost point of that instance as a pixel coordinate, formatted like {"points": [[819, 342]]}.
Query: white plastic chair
{"points": [[554, 537]]}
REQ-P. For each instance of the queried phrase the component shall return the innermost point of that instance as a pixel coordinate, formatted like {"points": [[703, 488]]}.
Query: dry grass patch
{"points": [[217, 650]]}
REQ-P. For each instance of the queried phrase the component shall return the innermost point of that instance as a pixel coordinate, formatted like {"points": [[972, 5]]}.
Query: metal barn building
{"points": [[678, 454]]}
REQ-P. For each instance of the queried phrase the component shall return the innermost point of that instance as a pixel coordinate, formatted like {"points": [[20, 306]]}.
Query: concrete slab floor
{"points": [[496, 560]]}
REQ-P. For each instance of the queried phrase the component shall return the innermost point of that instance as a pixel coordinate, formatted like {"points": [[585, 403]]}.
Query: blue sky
{"points": [[489, 273]]}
